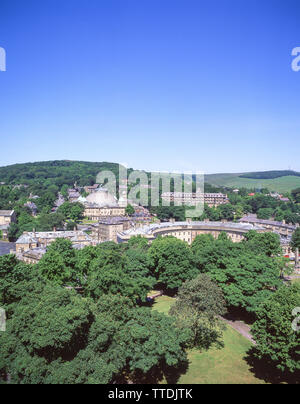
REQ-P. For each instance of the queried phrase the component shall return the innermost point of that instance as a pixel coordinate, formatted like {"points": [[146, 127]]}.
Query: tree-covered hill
{"points": [[55, 172], [66, 172]]}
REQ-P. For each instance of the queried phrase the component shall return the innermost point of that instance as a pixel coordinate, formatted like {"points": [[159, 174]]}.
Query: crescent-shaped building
{"points": [[187, 231]]}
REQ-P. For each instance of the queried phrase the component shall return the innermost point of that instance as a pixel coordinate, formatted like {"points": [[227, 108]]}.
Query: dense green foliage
{"points": [[106, 332], [171, 262], [55, 335], [56, 173], [277, 342], [296, 239], [246, 276], [198, 306]]}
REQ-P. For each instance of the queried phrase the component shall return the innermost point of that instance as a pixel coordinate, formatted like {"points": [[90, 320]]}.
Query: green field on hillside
{"points": [[216, 366], [281, 184]]}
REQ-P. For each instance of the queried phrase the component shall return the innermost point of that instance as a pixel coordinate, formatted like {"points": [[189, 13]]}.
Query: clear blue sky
{"points": [[157, 84]]}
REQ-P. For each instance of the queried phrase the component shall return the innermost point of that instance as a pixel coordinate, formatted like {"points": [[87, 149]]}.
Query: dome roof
{"points": [[102, 198], [81, 199]]}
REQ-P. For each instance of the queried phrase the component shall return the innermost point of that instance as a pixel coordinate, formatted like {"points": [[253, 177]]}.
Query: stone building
{"points": [[187, 231], [101, 204], [282, 228], [6, 218], [32, 240], [108, 228], [193, 199]]}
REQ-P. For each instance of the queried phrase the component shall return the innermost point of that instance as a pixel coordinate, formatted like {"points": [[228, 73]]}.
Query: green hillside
{"points": [[279, 184], [63, 172]]}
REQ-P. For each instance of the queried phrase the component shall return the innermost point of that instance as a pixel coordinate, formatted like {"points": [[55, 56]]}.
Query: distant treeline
{"points": [[269, 175], [55, 172]]}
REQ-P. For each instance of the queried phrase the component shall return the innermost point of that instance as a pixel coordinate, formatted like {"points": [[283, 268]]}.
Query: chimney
{"points": [[54, 229], [189, 220]]}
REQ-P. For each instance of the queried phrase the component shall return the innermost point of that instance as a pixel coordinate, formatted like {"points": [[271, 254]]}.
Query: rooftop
{"points": [[254, 219], [149, 229], [33, 237], [6, 213]]}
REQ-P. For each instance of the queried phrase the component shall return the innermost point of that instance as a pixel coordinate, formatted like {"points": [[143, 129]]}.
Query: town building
{"points": [[91, 188], [32, 240], [73, 194], [6, 218], [282, 228], [193, 199], [100, 204], [108, 228], [32, 207], [187, 231]]}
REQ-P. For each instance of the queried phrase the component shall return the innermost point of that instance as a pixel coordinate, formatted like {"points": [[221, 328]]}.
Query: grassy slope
{"points": [[282, 184], [216, 366]]}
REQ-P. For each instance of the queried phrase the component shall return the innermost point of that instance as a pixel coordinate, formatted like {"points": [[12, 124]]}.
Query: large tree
{"points": [[58, 264], [111, 273], [246, 275], [198, 305], [296, 239], [171, 262], [45, 328], [263, 243], [57, 336], [277, 342]]}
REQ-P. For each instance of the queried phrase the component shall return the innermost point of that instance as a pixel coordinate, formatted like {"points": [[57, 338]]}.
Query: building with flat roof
{"points": [[108, 228], [193, 199]]}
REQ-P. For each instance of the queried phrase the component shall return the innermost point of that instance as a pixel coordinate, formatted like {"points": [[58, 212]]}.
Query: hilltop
{"points": [[277, 181], [60, 172]]}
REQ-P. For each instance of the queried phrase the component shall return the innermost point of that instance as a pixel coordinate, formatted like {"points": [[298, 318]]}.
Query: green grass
{"points": [[281, 184], [216, 366]]}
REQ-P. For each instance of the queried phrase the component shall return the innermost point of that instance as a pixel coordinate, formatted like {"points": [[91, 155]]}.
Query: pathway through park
{"points": [[241, 327]]}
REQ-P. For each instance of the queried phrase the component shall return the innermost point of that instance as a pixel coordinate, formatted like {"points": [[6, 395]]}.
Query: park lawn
{"points": [[216, 365]]}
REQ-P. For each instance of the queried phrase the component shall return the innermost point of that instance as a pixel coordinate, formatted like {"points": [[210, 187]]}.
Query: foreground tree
{"points": [[58, 264], [198, 306], [44, 327], [171, 262], [112, 273], [59, 337], [296, 239], [263, 243], [277, 342], [16, 280]]}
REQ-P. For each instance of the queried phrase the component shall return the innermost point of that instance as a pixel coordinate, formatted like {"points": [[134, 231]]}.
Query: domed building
{"points": [[102, 198], [102, 204]]}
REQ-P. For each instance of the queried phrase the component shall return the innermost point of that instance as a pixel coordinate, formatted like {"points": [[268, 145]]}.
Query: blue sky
{"points": [[157, 84]]}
